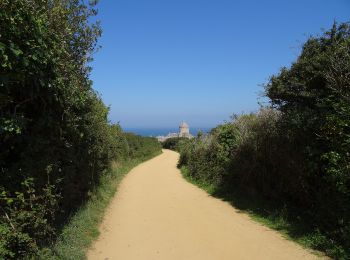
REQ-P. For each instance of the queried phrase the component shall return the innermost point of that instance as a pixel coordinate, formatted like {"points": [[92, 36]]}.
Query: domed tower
{"points": [[184, 130]]}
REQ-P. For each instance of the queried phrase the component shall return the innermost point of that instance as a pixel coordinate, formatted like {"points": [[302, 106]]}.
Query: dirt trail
{"points": [[158, 215]]}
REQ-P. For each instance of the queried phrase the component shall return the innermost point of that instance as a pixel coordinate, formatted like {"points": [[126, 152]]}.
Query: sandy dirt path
{"points": [[159, 215]]}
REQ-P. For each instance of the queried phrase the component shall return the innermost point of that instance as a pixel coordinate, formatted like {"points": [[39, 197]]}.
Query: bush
{"points": [[314, 98], [209, 152], [141, 147], [296, 153], [55, 139], [174, 143]]}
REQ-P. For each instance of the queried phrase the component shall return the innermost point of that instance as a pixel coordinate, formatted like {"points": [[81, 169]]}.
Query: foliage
{"points": [[139, 146], [83, 228], [294, 154], [55, 139], [314, 97], [174, 143]]}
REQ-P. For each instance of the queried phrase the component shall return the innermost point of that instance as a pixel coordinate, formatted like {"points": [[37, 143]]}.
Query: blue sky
{"points": [[164, 61]]}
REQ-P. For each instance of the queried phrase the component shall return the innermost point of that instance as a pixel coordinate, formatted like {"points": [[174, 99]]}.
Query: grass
{"points": [[276, 217], [83, 227]]}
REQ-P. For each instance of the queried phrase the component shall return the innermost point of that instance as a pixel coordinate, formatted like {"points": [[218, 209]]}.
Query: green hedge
{"points": [[55, 139], [140, 146], [174, 143], [296, 153]]}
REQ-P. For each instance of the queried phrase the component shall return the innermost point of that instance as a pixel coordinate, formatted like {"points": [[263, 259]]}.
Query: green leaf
{"points": [[2, 46], [17, 52]]}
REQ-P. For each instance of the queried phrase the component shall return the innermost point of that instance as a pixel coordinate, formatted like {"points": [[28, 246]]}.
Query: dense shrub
{"points": [[140, 147], [296, 153], [314, 98], [210, 152], [174, 143], [213, 157], [55, 139]]}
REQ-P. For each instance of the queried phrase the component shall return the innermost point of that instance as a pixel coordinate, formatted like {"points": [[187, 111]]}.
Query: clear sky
{"points": [[164, 61]]}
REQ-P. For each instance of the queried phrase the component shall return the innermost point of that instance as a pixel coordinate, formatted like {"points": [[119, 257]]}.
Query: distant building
{"points": [[184, 131]]}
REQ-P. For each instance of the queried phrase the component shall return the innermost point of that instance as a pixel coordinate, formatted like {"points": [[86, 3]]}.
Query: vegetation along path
{"points": [[159, 215]]}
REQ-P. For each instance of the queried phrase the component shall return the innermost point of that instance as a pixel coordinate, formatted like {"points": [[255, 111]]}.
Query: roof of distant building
{"points": [[183, 124]]}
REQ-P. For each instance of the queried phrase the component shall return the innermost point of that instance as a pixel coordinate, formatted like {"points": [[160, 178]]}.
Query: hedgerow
{"points": [[55, 139], [296, 153], [174, 143]]}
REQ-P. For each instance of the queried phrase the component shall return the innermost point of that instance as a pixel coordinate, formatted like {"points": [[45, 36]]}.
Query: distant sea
{"points": [[163, 131]]}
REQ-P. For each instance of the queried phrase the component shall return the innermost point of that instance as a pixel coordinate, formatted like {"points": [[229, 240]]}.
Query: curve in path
{"points": [[158, 215]]}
